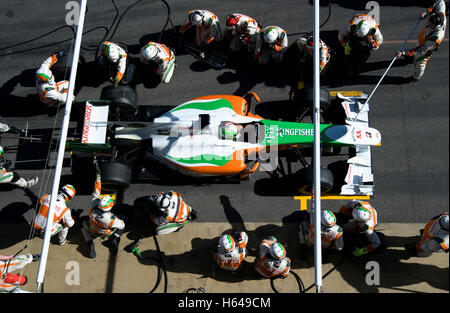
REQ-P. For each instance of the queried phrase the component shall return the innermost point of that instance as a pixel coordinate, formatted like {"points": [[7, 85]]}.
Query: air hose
{"points": [[133, 248], [301, 286], [329, 272]]}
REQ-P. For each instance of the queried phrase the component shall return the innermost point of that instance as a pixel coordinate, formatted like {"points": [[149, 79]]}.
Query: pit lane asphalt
{"points": [[410, 168]]}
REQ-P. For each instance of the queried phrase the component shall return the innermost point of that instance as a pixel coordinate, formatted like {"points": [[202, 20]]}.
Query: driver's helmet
{"points": [[362, 29], [149, 52], [361, 214], [277, 251], [44, 75], [67, 192], [232, 21], [328, 219], [228, 130], [112, 53], [106, 203], [197, 18], [227, 243], [270, 35]]}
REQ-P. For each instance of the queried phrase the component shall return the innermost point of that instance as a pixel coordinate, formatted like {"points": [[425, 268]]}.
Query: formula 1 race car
{"points": [[210, 136]]}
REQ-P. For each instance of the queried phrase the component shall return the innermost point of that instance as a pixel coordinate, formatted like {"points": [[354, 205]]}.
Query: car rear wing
{"points": [[94, 128], [359, 179]]}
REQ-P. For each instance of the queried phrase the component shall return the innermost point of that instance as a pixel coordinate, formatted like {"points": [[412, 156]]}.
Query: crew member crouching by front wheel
{"points": [[102, 222], [364, 221], [272, 261]]}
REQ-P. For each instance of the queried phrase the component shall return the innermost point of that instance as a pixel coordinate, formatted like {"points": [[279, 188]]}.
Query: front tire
{"points": [[305, 180]]}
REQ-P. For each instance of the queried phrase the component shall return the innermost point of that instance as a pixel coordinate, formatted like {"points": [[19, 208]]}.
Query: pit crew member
{"points": [[272, 42], [272, 260], [62, 219], [231, 251], [160, 55], [364, 221]]}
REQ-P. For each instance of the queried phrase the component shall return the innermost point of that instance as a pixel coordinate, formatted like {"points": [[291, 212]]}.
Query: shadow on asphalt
{"points": [[14, 226], [396, 275]]}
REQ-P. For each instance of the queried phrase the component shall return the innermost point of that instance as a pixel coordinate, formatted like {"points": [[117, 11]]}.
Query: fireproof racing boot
{"points": [[92, 253], [193, 216]]}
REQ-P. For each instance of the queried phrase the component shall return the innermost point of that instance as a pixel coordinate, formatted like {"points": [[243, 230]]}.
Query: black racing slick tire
{"points": [[61, 69], [305, 98], [123, 97], [115, 176], [305, 180]]}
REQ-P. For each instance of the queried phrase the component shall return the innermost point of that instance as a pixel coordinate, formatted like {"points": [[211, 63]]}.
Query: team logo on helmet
{"points": [[106, 203]]}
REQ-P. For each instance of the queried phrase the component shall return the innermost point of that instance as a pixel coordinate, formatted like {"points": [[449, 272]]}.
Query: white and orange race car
{"points": [[188, 139]]}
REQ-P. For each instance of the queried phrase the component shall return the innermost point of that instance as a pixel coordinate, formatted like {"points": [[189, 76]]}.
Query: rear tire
{"points": [[305, 180], [116, 176], [124, 98]]}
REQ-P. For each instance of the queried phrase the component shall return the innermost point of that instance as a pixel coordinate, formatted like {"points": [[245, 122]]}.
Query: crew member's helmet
{"points": [[106, 203], [67, 192], [270, 35], [197, 18], [149, 52], [44, 75], [361, 214], [328, 219], [162, 201], [227, 243], [277, 251], [112, 53], [436, 19], [232, 20], [443, 222], [362, 29], [309, 43]]}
